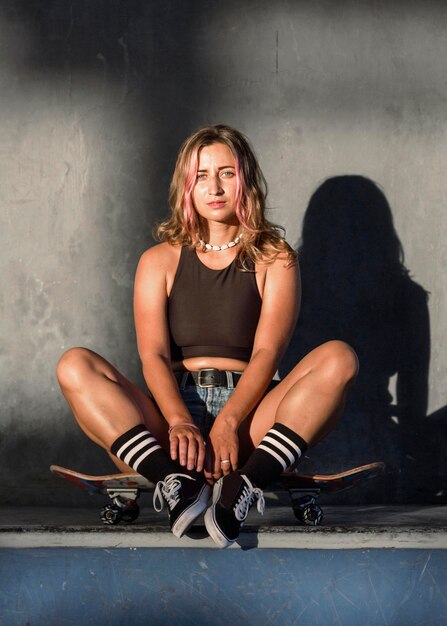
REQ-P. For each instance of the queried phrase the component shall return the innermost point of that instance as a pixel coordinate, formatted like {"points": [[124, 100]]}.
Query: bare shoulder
{"points": [[158, 266], [281, 265], [281, 272], [163, 256]]}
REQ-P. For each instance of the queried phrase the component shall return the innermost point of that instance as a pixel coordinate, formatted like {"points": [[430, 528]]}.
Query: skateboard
{"points": [[124, 490], [304, 489]]}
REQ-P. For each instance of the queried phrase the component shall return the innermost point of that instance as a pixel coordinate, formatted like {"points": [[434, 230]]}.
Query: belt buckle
{"points": [[204, 373]]}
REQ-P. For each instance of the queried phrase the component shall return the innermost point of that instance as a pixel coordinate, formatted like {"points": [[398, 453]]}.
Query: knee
{"points": [[72, 368], [339, 362]]}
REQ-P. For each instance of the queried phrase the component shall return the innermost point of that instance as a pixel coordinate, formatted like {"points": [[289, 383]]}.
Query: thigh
{"points": [[262, 418], [145, 404]]}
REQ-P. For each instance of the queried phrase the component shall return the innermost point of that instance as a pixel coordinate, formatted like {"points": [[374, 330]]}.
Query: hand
{"points": [[187, 446], [222, 445]]}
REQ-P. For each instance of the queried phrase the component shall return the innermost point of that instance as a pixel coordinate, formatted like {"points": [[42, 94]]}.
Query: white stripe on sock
{"points": [[279, 445], [143, 444], [130, 442], [274, 454], [289, 441], [143, 456]]}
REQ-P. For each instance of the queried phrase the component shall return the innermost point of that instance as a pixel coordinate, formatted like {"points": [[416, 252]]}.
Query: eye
{"points": [[227, 174], [201, 176]]}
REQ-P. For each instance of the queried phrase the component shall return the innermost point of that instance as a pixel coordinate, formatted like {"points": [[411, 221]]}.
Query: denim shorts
{"points": [[205, 403]]}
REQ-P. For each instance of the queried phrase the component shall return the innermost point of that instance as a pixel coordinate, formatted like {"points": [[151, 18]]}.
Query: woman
{"points": [[215, 306]]}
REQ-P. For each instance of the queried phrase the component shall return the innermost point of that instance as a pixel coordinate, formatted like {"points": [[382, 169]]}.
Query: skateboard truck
{"points": [[304, 506], [124, 506]]}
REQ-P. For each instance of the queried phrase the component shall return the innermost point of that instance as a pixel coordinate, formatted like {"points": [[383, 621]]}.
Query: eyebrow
{"points": [[224, 167]]}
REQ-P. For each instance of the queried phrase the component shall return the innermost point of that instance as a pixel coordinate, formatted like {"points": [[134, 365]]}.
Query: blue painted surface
{"points": [[63, 586]]}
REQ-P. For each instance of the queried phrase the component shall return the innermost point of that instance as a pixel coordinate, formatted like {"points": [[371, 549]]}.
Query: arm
{"points": [[280, 306], [150, 304]]}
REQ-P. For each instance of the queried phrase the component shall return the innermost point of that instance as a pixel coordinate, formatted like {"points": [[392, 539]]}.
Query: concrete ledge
{"points": [[347, 527], [338, 539]]}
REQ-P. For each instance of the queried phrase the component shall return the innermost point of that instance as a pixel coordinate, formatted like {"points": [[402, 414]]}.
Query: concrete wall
{"points": [[96, 98]]}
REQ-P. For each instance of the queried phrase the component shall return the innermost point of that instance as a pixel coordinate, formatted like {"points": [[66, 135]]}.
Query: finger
{"points": [[183, 450], [209, 478], [234, 459], [217, 475], [219, 467], [226, 468], [173, 447], [208, 463], [192, 453], [200, 456]]}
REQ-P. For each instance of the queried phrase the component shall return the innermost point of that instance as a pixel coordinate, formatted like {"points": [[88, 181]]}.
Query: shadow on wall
{"points": [[356, 288]]}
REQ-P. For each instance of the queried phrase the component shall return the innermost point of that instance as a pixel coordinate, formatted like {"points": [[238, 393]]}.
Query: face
{"points": [[214, 193]]}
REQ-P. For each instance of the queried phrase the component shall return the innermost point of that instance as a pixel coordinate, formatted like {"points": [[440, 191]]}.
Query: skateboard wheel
{"points": [[309, 514], [111, 514], [130, 513]]}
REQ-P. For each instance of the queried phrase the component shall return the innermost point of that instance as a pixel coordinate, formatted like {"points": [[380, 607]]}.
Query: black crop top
{"points": [[212, 312]]}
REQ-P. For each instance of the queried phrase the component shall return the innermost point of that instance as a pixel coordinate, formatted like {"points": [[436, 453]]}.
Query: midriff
{"points": [[204, 362]]}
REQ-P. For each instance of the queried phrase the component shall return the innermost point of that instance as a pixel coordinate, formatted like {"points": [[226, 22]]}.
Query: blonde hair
{"points": [[262, 241]]}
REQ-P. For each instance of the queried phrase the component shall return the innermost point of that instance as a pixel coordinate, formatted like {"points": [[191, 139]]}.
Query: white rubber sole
{"points": [[213, 529], [189, 515]]}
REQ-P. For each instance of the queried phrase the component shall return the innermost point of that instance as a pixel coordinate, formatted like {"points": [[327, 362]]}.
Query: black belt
{"points": [[209, 378]]}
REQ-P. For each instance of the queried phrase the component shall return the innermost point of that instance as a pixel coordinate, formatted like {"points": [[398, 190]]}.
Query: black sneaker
{"points": [[186, 497], [233, 496]]}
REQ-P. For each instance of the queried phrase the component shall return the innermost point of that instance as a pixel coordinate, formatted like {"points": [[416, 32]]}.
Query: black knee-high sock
{"points": [[280, 448], [139, 449]]}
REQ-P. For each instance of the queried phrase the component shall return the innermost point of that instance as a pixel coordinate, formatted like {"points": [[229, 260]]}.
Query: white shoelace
{"points": [[246, 499], [168, 489]]}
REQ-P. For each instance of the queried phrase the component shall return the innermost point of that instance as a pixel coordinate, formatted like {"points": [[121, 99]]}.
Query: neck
{"points": [[220, 234]]}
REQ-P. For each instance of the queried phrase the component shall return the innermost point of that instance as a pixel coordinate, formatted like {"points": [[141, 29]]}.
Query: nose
{"points": [[214, 186]]}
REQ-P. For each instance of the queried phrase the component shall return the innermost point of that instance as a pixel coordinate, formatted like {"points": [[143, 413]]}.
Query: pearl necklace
{"points": [[225, 246]]}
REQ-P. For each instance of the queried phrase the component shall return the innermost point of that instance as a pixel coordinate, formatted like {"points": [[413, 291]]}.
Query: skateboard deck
{"points": [[304, 489]]}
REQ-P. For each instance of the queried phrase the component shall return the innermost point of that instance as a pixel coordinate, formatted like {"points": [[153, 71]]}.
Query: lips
{"points": [[216, 204]]}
